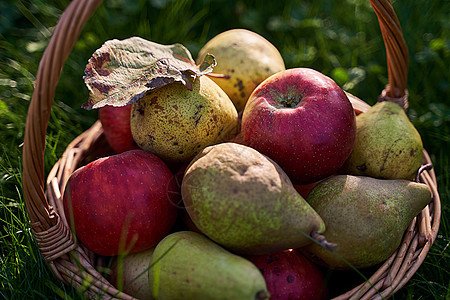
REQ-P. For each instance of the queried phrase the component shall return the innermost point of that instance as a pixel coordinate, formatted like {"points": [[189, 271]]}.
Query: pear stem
{"points": [[217, 75], [323, 241], [421, 169]]}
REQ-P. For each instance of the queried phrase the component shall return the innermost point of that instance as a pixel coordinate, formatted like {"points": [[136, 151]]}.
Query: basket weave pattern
{"points": [[75, 265]]}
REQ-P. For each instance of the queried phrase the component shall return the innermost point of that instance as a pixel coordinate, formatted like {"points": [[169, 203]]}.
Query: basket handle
{"points": [[66, 33], [396, 54], [41, 215]]}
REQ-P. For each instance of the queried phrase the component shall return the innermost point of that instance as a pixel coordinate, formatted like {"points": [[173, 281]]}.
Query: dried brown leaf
{"points": [[122, 71]]}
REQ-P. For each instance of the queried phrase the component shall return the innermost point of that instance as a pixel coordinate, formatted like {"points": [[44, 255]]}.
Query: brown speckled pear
{"points": [[187, 265], [387, 144], [175, 123], [246, 58], [365, 217], [244, 201]]}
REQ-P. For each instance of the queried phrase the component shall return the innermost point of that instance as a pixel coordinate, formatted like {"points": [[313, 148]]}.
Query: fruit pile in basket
{"points": [[235, 178]]}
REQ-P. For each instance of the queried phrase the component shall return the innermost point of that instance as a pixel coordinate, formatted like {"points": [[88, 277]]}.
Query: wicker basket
{"points": [[75, 265]]}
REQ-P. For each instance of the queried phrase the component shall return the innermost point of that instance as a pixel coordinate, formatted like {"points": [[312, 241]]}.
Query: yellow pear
{"points": [[245, 58], [175, 123]]}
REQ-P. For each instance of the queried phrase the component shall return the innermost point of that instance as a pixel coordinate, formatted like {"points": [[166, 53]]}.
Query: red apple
{"points": [[116, 127], [121, 204], [290, 275], [302, 120], [304, 189]]}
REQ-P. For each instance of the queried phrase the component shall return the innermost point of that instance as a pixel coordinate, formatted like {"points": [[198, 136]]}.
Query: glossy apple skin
{"points": [[290, 275], [116, 127], [124, 203], [302, 120]]}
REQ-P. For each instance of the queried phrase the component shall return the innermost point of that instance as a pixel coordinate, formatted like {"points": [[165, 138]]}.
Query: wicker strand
{"points": [[402, 100], [426, 158], [425, 226], [436, 215], [403, 269], [395, 260], [394, 270], [55, 241]]}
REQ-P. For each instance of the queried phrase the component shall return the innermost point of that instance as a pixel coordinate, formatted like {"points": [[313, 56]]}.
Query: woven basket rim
{"points": [[73, 264]]}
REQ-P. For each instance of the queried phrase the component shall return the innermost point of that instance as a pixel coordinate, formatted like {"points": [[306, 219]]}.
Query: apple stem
{"points": [[217, 75], [323, 241], [262, 295]]}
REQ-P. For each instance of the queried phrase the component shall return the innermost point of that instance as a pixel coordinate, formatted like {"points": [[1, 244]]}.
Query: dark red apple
{"points": [[290, 275], [123, 203], [116, 127], [304, 189], [185, 219], [302, 120]]}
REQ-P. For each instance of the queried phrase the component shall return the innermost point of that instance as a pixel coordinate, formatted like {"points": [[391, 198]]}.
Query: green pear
{"points": [[175, 123], [187, 265], [365, 216], [244, 201], [387, 144]]}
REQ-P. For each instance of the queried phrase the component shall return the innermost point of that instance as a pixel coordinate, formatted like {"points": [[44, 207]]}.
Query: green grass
{"points": [[340, 38]]}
